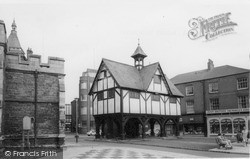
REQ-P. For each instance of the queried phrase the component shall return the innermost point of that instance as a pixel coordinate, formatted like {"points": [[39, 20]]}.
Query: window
{"points": [[84, 85], [92, 74], [190, 107], [100, 96], [214, 126], [157, 79], [172, 100], [214, 104], [238, 124], [134, 95], [242, 83], [226, 126], [213, 87], [111, 93], [189, 90], [83, 97], [155, 97], [242, 101]]}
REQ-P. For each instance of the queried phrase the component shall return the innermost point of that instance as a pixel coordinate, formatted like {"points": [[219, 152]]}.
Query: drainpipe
{"points": [[35, 114]]}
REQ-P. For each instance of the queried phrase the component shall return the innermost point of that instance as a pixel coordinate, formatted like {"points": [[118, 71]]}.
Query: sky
{"points": [[85, 31]]}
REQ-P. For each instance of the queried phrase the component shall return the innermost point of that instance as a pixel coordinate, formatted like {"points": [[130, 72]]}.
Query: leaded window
{"points": [[214, 104], [242, 83]]}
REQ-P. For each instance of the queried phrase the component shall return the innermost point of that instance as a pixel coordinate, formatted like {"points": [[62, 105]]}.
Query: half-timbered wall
{"points": [[147, 104], [157, 84], [106, 102]]}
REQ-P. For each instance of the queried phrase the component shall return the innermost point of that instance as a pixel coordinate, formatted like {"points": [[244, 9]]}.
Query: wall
{"points": [[228, 93]]}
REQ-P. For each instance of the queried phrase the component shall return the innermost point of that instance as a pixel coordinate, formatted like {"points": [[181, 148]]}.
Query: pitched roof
{"points": [[128, 76], [139, 52], [216, 72], [13, 43]]}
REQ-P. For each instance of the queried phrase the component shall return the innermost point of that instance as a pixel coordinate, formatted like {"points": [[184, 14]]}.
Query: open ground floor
{"points": [[132, 126]]}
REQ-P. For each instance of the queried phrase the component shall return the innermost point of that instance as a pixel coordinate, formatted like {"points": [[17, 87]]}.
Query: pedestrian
{"points": [[229, 144], [222, 142], [239, 137], [244, 136]]}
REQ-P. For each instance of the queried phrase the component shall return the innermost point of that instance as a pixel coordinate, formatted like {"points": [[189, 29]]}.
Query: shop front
{"points": [[227, 121], [193, 124]]}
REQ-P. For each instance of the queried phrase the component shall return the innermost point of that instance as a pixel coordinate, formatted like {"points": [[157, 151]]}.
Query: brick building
{"points": [[68, 117], [216, 100], [30, 88], [87, 121]]}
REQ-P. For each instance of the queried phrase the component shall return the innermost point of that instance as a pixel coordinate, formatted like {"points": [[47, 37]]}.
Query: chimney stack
{"points": [[210, 64]]}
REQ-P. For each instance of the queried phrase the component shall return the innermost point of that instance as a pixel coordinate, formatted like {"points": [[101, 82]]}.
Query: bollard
{"points": [[76, 136]]}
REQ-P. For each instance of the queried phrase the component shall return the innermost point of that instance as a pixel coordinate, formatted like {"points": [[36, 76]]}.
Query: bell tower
{"points": [[139, 56]]}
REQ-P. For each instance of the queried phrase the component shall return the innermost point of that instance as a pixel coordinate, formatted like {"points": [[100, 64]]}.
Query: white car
{"points": [[91, 133]]}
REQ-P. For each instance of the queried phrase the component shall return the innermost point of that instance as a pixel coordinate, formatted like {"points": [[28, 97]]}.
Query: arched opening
{"points": [[110, 128], [170, 128], [133, 128], [152, 128]]}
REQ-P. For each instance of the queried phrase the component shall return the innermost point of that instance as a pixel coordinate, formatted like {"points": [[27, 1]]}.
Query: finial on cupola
{"points": [[139, 56]]}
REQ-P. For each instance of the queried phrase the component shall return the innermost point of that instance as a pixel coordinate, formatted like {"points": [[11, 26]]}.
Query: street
{"points": [[87, 147]]}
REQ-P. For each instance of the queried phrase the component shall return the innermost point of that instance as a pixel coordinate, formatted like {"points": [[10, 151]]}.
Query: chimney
{"points": [[210, 64]]}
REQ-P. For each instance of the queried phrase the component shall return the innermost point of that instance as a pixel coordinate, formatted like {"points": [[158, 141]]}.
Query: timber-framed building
{"points": [[129, 101]]}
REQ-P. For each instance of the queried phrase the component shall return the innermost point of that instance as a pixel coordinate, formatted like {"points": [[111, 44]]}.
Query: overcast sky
{"points": [[85, 31]]}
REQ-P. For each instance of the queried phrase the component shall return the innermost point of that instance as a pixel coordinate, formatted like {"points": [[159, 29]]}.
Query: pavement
{"points": [[190, 143]]}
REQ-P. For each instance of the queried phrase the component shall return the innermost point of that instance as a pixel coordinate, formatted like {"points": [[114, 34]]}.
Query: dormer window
{"points": [[157, 79]]}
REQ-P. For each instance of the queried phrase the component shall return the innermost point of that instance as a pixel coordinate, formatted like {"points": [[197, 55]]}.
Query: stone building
{"points": [[128, 99], [216, 100], [30, 88], [87, 121]]}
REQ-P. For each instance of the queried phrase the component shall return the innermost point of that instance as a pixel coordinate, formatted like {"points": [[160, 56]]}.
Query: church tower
{"points": [[139, 56]]}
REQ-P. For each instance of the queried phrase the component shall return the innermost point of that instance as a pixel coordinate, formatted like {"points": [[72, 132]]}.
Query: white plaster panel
{"points": [[100, 85], [126, 104], [111, 105], [95, 106], [110, 82], [167, 108], [105, 84], [105, 108], [134, 105], [100, 107], [157, 72], [173, 109], [149, 106], [155, 107], [162, 107], [157, 87], [143, 104]]}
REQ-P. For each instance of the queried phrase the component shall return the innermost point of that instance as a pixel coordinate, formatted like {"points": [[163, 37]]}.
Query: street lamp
{"points": [[76, 136]]}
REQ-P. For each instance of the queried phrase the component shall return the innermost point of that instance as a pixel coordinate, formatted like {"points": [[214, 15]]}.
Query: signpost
{"points": [[27, 128]]}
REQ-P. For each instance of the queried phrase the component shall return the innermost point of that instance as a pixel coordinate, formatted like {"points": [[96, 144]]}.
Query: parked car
{"points": [[91, 133]]}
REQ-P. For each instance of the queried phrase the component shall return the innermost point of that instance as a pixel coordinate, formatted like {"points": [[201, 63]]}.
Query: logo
{"points": [[7, 153], [210, 28]]}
